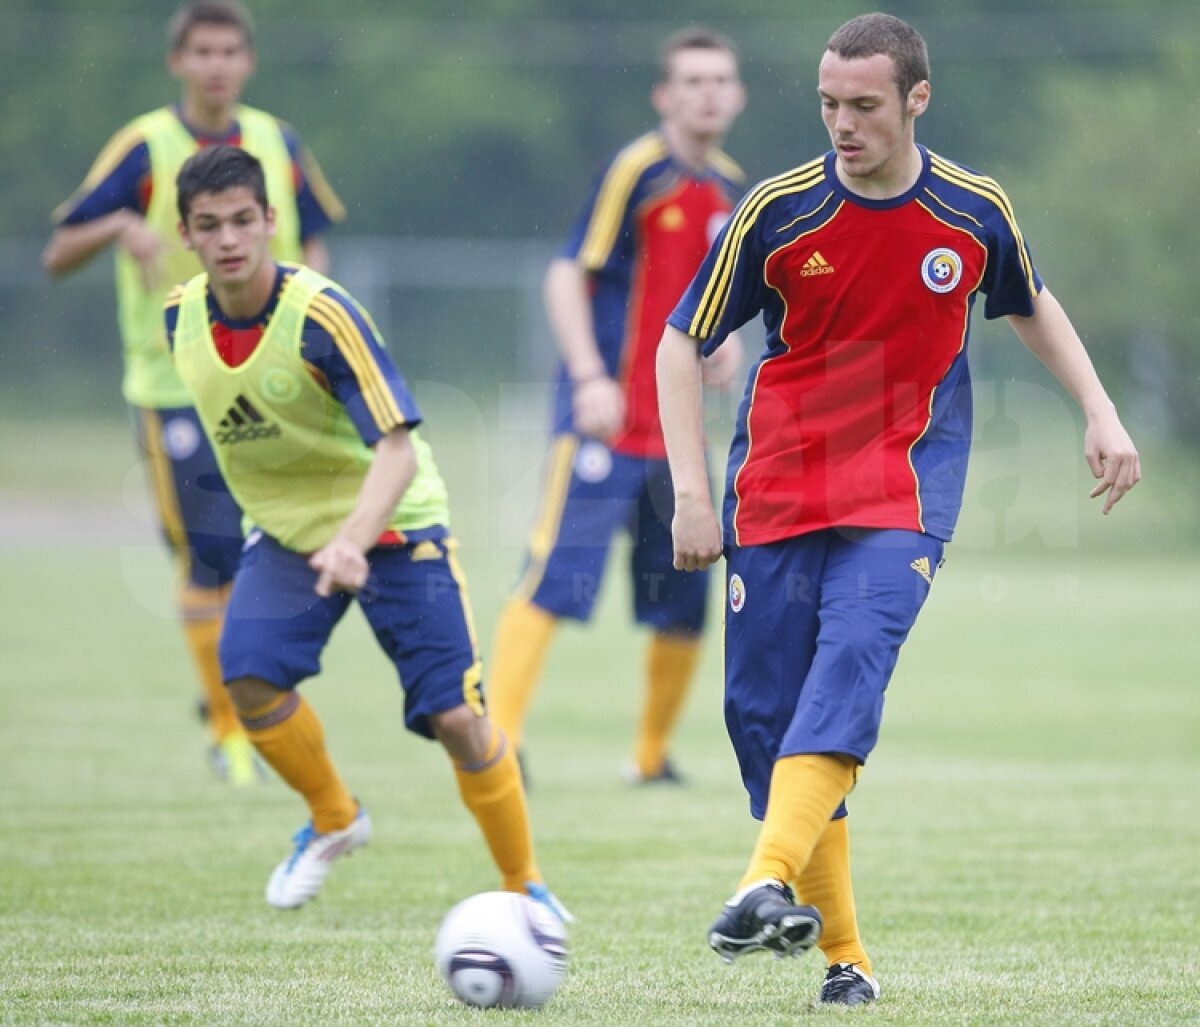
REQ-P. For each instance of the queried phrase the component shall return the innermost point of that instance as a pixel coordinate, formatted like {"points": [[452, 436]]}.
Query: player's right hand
{"points": [[599, 408], [146, 247], [697, 535]]}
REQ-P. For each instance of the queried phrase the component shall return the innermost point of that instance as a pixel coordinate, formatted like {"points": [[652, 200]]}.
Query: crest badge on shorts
{"points": [[737, 593], [180, 438]]}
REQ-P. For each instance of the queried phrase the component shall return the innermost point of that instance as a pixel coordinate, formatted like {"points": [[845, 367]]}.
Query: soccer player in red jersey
{"points": [[847, 465], [127, 202], [645, 228]]}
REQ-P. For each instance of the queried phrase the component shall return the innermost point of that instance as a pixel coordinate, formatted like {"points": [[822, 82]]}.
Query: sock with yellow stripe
{"points": [[805, 792], [492, 791], [523, 639], [288, 734], [203, 612], [826, 884], [670, 665]]}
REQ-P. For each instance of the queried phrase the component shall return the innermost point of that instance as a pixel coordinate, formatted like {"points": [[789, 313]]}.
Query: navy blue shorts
{"points": [[813, 628], [591, 493], [198, 517], [276, 626]]}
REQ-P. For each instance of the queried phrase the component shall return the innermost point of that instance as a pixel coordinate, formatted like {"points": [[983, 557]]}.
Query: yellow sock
{"points": [[523, 639], [826, 884], [493, 792], [287, 734], [670, 665], [203, 611], [805, 792]]}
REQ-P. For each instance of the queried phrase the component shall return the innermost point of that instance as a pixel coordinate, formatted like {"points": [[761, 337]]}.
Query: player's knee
{"points": [[464, 734], [251, 693]]}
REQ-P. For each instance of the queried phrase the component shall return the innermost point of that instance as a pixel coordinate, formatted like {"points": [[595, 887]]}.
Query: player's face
{"points": [[702, 94], [214, 65], [231, 235], [870, 127]]}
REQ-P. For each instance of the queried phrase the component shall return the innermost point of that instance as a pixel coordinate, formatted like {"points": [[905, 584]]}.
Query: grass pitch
{"points": [[1026, 837]]}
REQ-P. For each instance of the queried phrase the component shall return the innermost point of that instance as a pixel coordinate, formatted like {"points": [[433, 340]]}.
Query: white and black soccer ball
{"points": [[502, 949]]}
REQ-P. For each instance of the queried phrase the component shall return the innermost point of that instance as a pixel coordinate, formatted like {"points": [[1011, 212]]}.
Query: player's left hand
{"points": [[1113, 459], [341, 566]]}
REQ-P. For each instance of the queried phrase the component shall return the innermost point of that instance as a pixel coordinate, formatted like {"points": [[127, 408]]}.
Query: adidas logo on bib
{"points": [[243, 423]]}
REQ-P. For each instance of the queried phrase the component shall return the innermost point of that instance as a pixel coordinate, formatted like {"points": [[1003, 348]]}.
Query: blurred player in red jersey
{"points": [[127, 202], [848, 461], [645, 228]]}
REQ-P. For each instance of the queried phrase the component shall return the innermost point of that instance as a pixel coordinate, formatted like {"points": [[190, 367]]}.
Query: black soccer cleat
{"points": [[767, 917], [667, 775], [847, 985]]}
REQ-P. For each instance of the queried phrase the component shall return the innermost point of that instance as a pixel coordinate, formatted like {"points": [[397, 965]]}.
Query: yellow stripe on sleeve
{"points": [[349, 341], [716, 293], [321, 189], [613, 198], [989, 189], [115, 151], [726, 166]]}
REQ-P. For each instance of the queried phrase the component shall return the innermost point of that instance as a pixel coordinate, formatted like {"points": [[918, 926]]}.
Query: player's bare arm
{"points": [[341, 564], [72, 246], [1109, 450], [721, 369], [316, 254], [695, 529], [599, 402]]}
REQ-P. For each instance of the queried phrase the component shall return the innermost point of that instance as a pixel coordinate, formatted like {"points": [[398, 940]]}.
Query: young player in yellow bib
{"points": [[315, 433], [127, 202]]}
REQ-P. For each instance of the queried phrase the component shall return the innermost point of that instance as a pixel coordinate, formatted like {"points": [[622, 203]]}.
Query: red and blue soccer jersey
{"points": [[858, 413], [641, 236], [121, 179]]}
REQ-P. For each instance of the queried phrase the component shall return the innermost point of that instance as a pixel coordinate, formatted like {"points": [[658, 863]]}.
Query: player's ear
{"points": [[918, 98], [183, 234], [270, 219], [660, 99]]}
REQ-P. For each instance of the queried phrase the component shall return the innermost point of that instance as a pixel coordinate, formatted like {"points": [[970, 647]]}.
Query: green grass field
{"points": [[1027, 835]]}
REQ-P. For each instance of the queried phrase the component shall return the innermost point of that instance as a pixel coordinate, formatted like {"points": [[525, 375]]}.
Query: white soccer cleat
{"points": [[299, 877]]}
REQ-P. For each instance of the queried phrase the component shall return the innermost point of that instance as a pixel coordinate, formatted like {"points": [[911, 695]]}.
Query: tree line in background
{"points": [[488, 120]]}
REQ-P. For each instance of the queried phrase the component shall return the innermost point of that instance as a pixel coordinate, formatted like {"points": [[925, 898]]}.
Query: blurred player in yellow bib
{"points": [[127, 202]]}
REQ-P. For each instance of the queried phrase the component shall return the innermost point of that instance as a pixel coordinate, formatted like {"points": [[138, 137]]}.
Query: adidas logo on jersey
{"points": [[922, 567], [243, 423], [816, 265]]}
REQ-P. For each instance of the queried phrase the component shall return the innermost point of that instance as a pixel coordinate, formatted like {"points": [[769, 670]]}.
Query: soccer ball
{"points": [[502, 949]]}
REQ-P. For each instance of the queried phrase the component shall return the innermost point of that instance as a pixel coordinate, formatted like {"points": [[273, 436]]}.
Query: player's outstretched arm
{"points": [[72, 246], [341, 564], [695, 529], [1109, 450]]}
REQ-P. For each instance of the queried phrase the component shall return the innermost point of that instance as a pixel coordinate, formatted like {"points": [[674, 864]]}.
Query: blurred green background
{"points": [[462, 138]]}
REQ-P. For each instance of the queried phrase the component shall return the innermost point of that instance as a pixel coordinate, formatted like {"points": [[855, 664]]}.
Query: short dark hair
{"points": [[870, 34], [209, 12], [694, 37], [217, 168]]}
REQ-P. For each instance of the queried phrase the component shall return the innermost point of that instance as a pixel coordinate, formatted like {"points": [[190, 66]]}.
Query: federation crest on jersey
{"points": [[737, 593], [942, 269]]}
